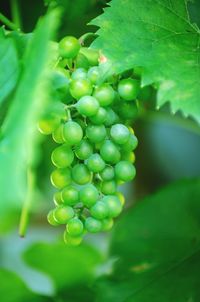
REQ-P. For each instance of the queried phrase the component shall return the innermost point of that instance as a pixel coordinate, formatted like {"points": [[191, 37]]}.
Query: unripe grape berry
{"points": [[63, 213], [72, 241], [61, 178], [69, 47], [57, 135], [100, 117], [75, 227], [51, 219], [81, 61], [57, 198], [128, 156], [125, 171], [62, 156], [96, 133], [99, 210], [111, 117], [94, 74], [128, 110], [91, 54], [121, 197], [131, 144], [105, 94], [119, 134], [70, 195], [107, 224], [108, 173], [84, 149], [108, 187], [72, 133], [88, 195], [95, 163], [93, 225], [79, 73], [87, 105], [109, 152], [128, 89], [114, 205], [81, 175], [80, 87]]}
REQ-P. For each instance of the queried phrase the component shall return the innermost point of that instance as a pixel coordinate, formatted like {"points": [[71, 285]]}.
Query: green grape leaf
{"points": [[159, 37], [9, 66], [19, 135], [68, 267], [157, 247], [13, 289]]}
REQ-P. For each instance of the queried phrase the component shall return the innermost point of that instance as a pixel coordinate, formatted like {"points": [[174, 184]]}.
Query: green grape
{"points": [[63, 213], [88, 195], [82, 61], [57, 198], [57, 135], [96, 133], [75, 227], [93, 225], [131, 144], [61, 178], [104, 94], [84, 149], [109, 152], [128, 156], [72, 241], [69, 47], [52, 118], [100, 117], [95, 163], [107, 224], [114, 205], [80, 87], [108, 187], [128, 110], [111, 118], [119, 134], [79, 73], [62, 156], [70, 195], [99, 210], [87, 105], [72, 133], [125, 171], [80, 174], [128, 89], [91, 54], [94, 74], [108, 173], [51, 219], [121, 197]]}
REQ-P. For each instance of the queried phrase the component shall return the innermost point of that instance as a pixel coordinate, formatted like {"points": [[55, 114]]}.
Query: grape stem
{"points": [[15, 11], [84, 37], [8, 23], [24, 218]]}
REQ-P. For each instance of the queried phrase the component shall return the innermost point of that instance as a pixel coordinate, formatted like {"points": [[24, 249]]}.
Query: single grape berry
{"points": [[50, 218], [61, 178], [63, 213], [128, 156], [108, 173], [128, 110], [84, 149], [91, 54], [80, 87], [72, 133], [114, 205], [57, 198], [72, 240], [69, 47], [81, 61], [125, 171], [128, 89], [75, 227], [93, 225], [69, 195], [96, 133], [88, 195], [95, 163], [111, 117], [100, 117], [99, 210], [109, 152], [87, 105], [81, 174], [119, 134], [107, 224], [57, 134], [108, 187], [105, 94], [62, 156], [131, 144], [94, 74], [79, 73]]}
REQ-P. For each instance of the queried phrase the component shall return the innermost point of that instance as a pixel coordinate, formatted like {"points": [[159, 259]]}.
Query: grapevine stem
{"points": [[8, 23], [24, 218], [16, 16], [84, 37]]}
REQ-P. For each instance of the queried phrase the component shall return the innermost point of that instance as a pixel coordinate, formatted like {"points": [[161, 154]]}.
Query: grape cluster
{"points": [[90, 121]]}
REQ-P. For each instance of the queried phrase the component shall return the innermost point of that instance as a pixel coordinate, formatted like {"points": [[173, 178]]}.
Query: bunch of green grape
{"points": [[90, 121]]}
